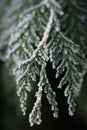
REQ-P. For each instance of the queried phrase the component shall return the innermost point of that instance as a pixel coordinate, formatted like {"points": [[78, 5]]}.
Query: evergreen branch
{"points": [[67, 52], [35, 40]]}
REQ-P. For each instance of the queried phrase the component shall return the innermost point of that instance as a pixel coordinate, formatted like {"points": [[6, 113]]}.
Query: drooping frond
{"points": [[64, 54], [37, 38]]}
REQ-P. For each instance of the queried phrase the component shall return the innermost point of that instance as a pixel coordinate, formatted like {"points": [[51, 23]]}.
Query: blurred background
{"points": [[11, 117]]}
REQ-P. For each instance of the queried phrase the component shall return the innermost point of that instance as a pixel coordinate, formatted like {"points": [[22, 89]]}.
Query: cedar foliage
{"points": [[39, 34]]}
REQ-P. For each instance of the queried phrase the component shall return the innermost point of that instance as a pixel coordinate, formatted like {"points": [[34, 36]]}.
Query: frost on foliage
{"points": [[65, 54], [50, 96], [31, 70], [36, 39], [35, 115], [29, 20]]}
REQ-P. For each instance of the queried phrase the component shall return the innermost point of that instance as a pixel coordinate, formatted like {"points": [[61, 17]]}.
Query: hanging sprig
{"points": [[65, 54], [35, 115], [31, 69], [36, 39]]}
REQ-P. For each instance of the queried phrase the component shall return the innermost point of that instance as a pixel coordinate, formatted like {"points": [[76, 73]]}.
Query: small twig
{"points": [[48, 28]]}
